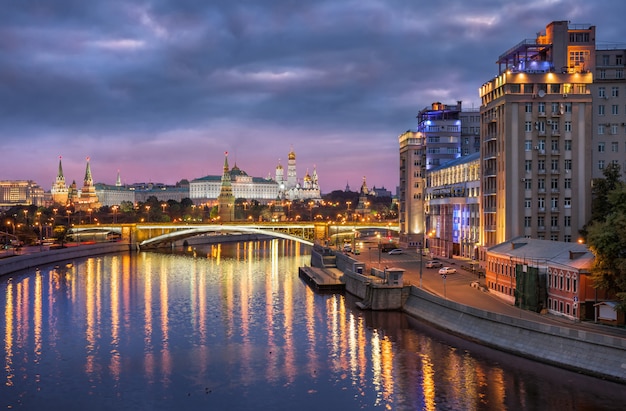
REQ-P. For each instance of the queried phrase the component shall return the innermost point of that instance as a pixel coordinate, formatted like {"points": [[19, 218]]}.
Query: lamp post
{"points": [[378, 236]]}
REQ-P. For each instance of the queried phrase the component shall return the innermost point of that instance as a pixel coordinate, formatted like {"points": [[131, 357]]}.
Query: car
{"points": [[434, 264], [357, 251], [447, 270], [396, 251]]}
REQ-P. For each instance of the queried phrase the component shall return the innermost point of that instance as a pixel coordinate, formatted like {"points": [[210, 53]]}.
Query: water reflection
{"points": [[232, 326]]}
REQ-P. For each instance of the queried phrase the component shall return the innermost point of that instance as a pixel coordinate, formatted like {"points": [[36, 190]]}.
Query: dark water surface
{"points": [[235, 328]]}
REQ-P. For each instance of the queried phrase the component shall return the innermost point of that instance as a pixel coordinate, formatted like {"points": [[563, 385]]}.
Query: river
{"points": [[233, 327]]}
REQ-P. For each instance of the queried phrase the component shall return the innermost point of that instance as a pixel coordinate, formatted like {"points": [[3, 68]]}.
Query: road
{"points": [[458, 287]]}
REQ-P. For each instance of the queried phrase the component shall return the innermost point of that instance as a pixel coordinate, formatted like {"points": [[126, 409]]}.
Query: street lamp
{"points": [[379, 246]]}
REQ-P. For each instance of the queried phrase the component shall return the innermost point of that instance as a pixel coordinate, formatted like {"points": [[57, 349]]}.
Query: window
{"points": [[619, 60], [567, 202], [541, 203], [602, 73], [541, 127], [554, 145], [567, 145], [567, 183], [601, 92], [619, 73], [529, 107], [555, 108], [528, 166], [528, 126], [528, 145], [567, 221], [567, 238], [527, 203], [600, 164], [568, 165], [541, 144], [601, 147], [613, 128], [554, 221], [541, 184], [605, 59], [614, 146], [527, 221], [554, 184], [541, 222], [528, 184], [601, 110], [554, 165], [541, 107], [554, 203], [600, 128], [567, 107], [614, 109], [568, 126], [615, 91], [541, 165]]}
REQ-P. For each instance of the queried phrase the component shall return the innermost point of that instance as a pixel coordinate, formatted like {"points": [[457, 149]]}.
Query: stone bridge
{"points": [[146, 235]]}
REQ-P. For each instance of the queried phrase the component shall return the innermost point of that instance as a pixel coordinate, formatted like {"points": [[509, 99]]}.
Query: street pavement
{"points": [[458, 287]]}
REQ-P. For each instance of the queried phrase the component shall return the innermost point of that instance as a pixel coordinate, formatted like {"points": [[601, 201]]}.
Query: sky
{"points": [[159, 90]]}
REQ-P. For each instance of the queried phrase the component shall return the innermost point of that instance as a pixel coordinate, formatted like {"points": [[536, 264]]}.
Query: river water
{"points": [[233, 327]]}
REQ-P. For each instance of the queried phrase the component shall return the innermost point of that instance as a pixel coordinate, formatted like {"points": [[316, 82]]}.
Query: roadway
{"points": [[458, 287]]}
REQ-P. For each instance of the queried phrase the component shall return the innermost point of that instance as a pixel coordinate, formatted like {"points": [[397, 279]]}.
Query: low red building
{"points": [[542, 275]]}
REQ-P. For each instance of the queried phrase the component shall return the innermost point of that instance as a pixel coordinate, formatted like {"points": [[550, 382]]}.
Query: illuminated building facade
{"points": [[536, 138], [290, 188], [452, 209], [20, 192]]}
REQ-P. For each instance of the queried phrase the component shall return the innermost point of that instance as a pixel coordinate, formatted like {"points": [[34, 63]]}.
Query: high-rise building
{"points": [[536, 137], [609, 109]]}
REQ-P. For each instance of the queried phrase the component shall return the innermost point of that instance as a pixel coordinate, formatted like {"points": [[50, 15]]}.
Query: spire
{"points": [[88, 177], [60, 172], [226, 162], [118, 181]]}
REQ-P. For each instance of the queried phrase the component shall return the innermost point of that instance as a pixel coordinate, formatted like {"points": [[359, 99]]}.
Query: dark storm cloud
{"points": [[160, 89]]}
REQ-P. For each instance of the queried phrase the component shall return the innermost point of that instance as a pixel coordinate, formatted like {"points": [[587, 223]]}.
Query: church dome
{"points": [[292, 155]]}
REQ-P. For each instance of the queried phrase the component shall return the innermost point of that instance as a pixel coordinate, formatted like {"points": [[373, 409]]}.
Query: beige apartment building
{"points": [[536, 137]]}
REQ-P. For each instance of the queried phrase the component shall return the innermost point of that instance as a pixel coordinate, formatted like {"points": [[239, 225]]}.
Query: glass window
{"points": [[567, 107], [614, 109], [568, 164], [600, 164], [529, 107], [568, 145], [527, 203], [568, 126], [567, 183], [614, 146], [602, 73], [615, 91], [601, 147], [541, 183], [601, 92], [528, 126], [528, 145], [601, 109], [541, 107]]}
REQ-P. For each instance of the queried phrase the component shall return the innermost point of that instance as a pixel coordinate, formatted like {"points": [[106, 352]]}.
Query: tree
{"points": [[606, 237]]}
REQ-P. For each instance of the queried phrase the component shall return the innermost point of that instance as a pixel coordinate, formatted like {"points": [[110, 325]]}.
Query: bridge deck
{"points": [[322, 279]]}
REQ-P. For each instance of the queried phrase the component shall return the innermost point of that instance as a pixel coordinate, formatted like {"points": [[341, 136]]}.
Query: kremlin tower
{"points": [[226, 200], [59, 190]]}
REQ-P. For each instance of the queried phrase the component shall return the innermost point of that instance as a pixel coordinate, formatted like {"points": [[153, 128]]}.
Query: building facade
{"points": [[609, 109], [452, 209], [536, 138], [290, 187], [20, 192]]}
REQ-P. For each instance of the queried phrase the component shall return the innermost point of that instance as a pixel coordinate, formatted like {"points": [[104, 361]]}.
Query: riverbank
{"points": [[582, 349]]}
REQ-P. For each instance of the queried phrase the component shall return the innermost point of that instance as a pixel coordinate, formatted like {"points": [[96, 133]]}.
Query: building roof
{"points": [[457, 161], [546, 252]]}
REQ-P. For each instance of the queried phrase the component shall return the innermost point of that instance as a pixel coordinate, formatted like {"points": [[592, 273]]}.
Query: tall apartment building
{"points": [[536, 128], [411, 188], [436, 141], [609, 109]]}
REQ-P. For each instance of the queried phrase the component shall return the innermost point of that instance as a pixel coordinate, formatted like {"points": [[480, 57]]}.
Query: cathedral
{"points": [[290, 188]]}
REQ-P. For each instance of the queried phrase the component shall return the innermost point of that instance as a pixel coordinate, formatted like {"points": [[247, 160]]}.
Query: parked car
{"points": [[357, 251], [396, 251], [347, 249], [434, 264], [447, 270]]}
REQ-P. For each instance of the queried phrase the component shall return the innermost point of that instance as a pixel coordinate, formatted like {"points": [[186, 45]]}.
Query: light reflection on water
{"points": [[235, 328]]}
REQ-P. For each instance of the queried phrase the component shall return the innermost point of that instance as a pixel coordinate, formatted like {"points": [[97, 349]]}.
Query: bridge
{"points": [[147, 235]]}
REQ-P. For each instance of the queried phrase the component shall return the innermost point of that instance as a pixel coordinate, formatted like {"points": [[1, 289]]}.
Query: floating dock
{"points": [[323, 279]]}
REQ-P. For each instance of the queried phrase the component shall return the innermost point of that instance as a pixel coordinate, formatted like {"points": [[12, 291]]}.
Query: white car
{"points": [[396, 251], [447, 270]]}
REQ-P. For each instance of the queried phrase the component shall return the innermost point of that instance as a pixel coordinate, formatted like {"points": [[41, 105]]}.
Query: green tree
{"points": [[606, 237]]}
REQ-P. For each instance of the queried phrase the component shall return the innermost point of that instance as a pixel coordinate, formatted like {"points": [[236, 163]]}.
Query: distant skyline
{"points": [[160, 90]]}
